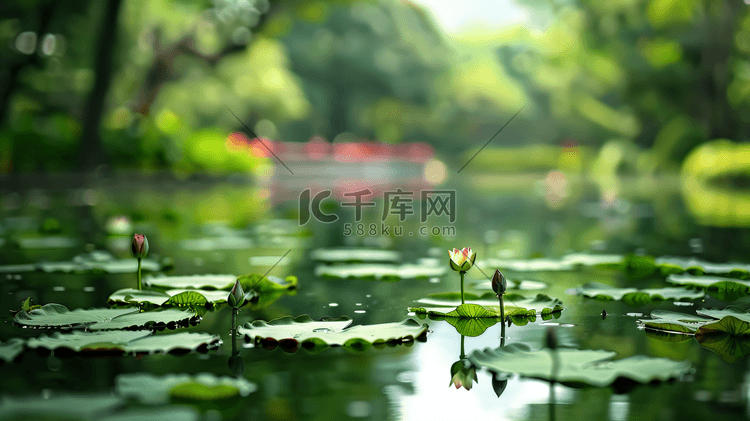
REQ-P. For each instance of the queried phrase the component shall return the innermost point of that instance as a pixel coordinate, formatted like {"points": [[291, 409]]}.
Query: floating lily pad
{"points": [[174, 297], [67, 407], [151, 389], [354, 255], [205, 282], [381, 272], [10, 350], [700, 267], [316, 335], [728, 337], [579, 368], [123, 342], [222, 282], [673, 322], [637, 297], [727, 289], [58, 316], [100, 261], [567, 263], [449, 304]]}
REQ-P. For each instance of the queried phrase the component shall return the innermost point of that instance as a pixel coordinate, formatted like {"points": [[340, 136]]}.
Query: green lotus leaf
{"points": [[261, 284], [58, 316], [636, 297], [125, 342], [578, 368], [567, 263], [100, 261], [11, 349], [204, 282], [380, 271], [355, 255], [473, 326], [316, 335], [222, 282], [134, 296], [699, 267], [87, 407], [150, 389], [728, 337], [515, 305], [727, 289], [673, 322]]}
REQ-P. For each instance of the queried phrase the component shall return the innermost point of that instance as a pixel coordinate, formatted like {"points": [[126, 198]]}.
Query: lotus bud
{"points": [[551, 339], [237, 296], [499, 283], [139, 246], [462, 260], [463, 375]]}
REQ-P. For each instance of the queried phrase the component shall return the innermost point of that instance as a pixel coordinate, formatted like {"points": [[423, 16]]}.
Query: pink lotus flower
{"points": [[462, 260]]}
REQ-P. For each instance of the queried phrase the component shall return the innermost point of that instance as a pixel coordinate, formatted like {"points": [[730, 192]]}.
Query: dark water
{"points": [[396, 382]]}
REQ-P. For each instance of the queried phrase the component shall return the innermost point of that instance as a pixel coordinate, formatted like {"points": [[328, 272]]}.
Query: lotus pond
{"points": [[625, 309]]}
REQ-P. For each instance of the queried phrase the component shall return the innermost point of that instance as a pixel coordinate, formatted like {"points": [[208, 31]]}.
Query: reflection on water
{"points": [[392, 383]]}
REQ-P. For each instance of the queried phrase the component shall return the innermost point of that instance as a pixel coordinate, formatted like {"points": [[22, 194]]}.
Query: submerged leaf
{"points": [[380, 272], [636, 297], [150, 389], [316, 335], [578, 368]]}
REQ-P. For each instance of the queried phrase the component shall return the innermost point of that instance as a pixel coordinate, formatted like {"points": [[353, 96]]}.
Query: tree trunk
{"points": [[91, 152]]}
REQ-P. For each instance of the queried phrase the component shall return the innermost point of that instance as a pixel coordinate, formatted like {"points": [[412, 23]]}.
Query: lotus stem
{"points": [[502, 319], [462, 285], [139, 274], [463, 354], [233, 331]]}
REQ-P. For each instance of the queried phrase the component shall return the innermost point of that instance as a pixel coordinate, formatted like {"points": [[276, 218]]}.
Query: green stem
{"points": [[233, 331], [462, 285], [139, 274], [502, 320], [463, 354]]}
